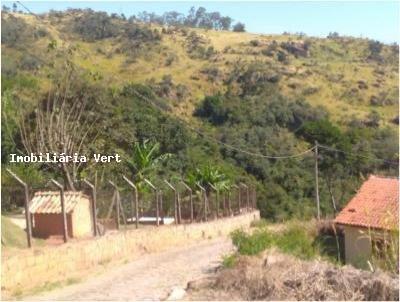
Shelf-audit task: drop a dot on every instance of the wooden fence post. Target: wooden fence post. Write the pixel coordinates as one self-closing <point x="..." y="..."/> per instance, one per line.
<point x="205" y="201"/>
<point x="156" y="199"/>
<point x="216" y="198"/>
<point x="136" y="196"/>
<point x="229" y="203"/>
<point x="247" y="195"/>
<point x="93" y="204"/>
<point x="238" y="197"/>
<point x="28" y="221"/>
<point x="64" y="215"/>
<point x="176" y="211"/>
<point x="191" y="200"/>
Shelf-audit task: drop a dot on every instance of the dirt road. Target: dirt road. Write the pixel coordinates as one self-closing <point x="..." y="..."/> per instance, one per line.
<point x="152" y="277"/>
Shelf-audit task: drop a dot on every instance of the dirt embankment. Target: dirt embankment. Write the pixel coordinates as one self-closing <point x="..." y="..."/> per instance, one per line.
<point x="274" y="276"/>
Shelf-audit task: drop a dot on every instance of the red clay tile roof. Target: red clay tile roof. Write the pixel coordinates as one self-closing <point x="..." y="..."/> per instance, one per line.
<point x="376" y="205"/>
<point x="50" y="202"/>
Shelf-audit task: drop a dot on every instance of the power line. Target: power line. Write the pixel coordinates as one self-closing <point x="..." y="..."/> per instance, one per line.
<point x="228" y="145"/>
<point x="259" y="154"/>
<point x="27" y="9"/>
<point x="358" y="155"/>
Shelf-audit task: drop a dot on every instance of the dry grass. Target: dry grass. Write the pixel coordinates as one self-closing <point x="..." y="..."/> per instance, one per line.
<point x="274" y="276"/>
<point x="327" y="58"/>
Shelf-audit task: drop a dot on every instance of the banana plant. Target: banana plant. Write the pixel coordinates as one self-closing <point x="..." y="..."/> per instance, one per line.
<point x="145" y="158"/>
<point x="209" y="175"/>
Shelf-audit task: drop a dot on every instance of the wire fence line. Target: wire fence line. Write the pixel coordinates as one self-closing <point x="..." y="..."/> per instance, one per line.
<point x="121" y="207"/>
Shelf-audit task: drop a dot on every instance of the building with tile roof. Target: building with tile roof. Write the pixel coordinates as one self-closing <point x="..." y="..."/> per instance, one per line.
<point x="369" y="216"/>
<point x="45" y="207"/>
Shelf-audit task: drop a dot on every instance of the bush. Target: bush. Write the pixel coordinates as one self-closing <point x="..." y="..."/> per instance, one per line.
<point x="261" y="223"/>
<point x="251" y="244"/>
<point x="15" y="32"/>
<point x="296" y="241"/>
<point x="255" y="43"/>
<point x="239" y="27"/>
<point x="229" y="261"/>
<point x="94" y="26"/>
<point x="211" y="108"/>
<point x="29" y="62"/>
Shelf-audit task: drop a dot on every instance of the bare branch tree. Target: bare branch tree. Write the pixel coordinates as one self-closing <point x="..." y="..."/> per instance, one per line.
<point x="60" y="124"/>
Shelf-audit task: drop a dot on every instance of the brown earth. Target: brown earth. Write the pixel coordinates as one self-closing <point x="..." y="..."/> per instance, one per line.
<point x="152" y="277"/>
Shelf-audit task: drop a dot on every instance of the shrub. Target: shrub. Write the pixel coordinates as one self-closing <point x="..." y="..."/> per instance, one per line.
<point x="229" y="261"/>
<point x="375" y="48"/>
<point x="251" y="244"/>
<point x="94" y="26"/>
<point x="261" y="223"/>
<point x="255" y="43"/>
<point x="282" y="57"/>
<point x="211" y="108"/>
<point x="29" y="62"/>
<point x="239" y="27"/>
<point x="213" y="73"/>
<point x="296" y="241"/>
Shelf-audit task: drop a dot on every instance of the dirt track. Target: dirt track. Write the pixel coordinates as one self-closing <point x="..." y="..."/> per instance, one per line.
<point x="150" y="278"/>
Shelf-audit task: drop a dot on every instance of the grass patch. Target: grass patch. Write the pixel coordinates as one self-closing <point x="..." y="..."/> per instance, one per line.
<point x="260" y="223"/>
<point x="11" y="234"/>
<point x="298" y="242"/>
<point x="229" y="261"/>
<point x="295" y="240"/>
<point x="252" y="244"/>
<point x="46" y="287"/>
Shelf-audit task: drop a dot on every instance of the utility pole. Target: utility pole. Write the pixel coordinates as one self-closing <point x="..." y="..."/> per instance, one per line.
<point x="316" y="179"/>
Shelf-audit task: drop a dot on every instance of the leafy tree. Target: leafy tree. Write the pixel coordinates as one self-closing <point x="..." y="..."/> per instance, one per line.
<point x="209" y="175"/>
<point x="94" y="26"/>
<point x="375" y="48"/>
<point x="211" y="108"/>
<point x="239" y="27"/>
<point x="225" y="23"/>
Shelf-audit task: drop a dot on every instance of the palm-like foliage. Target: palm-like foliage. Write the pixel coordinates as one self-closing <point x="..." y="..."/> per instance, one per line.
<point x="145" y="158"/>
<point x="209" y="175"/>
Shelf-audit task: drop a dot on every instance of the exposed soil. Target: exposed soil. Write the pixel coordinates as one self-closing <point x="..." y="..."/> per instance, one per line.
<point x="152" y="277"/>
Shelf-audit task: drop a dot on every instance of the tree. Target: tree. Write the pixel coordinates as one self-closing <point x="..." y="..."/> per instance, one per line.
<point x="239" y="27"/>
<point x="209" y="175"/>
<point x="375" y="48"/>
<point x="60" y="124"/>
<point x="211" y="108"/>
<point x="95" y="26"/>
<point x="145" y="158"/>
<point x="14" y="7"/>
<point x="226" y="23"/>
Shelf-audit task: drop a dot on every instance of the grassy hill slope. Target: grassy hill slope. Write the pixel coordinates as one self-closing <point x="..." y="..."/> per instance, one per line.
<point x="339" y="73"/>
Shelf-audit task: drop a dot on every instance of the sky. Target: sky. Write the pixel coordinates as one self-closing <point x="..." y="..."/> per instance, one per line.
<point x="374" y="20"/>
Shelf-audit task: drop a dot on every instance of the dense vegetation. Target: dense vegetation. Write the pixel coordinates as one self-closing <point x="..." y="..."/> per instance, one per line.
<point x="171" y="80"/>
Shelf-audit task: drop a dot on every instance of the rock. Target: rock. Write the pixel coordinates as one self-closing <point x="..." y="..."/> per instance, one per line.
<point x="177" y="293"/>
<point x="199" y="283"/>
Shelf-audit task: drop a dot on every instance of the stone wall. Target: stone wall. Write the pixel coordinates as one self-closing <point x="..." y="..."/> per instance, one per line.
<point x="32" y="268"/>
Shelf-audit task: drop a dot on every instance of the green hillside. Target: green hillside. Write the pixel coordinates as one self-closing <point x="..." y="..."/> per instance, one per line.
<point x="268" y="94"/>
<point x="340" y="73"/>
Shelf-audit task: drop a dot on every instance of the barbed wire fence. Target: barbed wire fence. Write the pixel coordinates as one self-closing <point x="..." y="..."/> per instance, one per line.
<point x="123" y="207"/>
